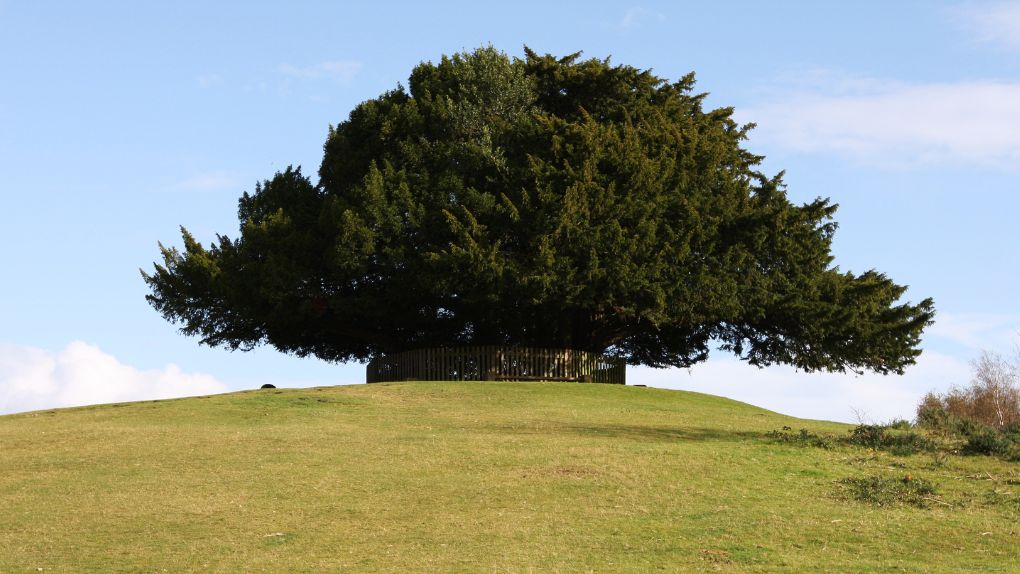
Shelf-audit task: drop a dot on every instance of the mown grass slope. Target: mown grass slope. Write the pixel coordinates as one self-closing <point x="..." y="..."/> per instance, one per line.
<point x="477" y="477"/>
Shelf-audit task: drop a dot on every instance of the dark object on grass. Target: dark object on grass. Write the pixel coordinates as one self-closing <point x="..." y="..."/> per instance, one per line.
<point x="268" y="386"/>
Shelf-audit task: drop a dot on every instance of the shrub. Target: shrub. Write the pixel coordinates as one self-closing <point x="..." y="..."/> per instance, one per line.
<point x="993" y="442"/>
<point x="899" y="424"/>
<point x="986" y="441"/>
<point x="992" y="399"/>
<point x="877" y="437"/>
<point x="899" y="443"/>
<point x="986" y="414"/>
<point x="890" y="491"/>
<point x="804" y="436"/>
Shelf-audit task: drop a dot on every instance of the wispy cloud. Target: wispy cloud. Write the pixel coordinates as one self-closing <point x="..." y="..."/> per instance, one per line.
<point x="82" y="374"/>
<point x="637" y="16"/>
<point x="209" y="80"/>
<point x="996" y="23"/>
<point x="204" y="183"/>
<point x="340" y="71"/>
<point x="978" y="331"/>
<point x="826" y="396"/>
<point x="895" y="124"/>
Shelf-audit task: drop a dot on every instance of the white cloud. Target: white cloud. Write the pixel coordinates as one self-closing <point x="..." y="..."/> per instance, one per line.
<point x="895" y="124"/>
<point x="204" y="183"/>
<point x="341" y="71"/>
<point x="637" y="16"/>
<point x="825" y="396"/>
<point x="996" y="23"/>
<point x="979" y="331"/>
<point x="82" y="374"/>
<point x="209" y="80"/>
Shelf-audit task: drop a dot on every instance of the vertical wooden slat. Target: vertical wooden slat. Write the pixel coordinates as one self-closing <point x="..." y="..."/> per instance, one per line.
<point x="496" y="362"/>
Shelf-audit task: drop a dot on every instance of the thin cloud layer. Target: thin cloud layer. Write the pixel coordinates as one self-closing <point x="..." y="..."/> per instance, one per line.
<point x="341" y="71"/>
<point x="827" y="396"/>
<point x="637" y="16"/>
<point x="978" y="331"/>
<point x="82" y="374"/>
<point x="896" y="125"/>
<point x="209" y="80"/>
<point x="992" y="23"/>
<point x="205" y="182"/>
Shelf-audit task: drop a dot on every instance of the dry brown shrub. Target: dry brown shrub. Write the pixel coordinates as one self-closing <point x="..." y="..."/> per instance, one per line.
<point x="993" y="397"/>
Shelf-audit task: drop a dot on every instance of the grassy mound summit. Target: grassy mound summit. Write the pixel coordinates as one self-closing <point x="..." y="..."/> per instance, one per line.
<point x="485" y="477"/>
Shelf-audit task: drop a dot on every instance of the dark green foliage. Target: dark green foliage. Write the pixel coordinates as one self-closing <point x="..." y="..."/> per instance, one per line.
<point x="803" y="437"/>
<point x="891" y="491"/>
<point x="977" y="438"/>
<point x="900" y="443"/>
<point x="878" y="437"/>
<point x="938" y="420"/>
<point x="541" y="202"/>
<point x="899" y="424"/>
<point x="985" y="415"/>
<point x="991" y="441"/>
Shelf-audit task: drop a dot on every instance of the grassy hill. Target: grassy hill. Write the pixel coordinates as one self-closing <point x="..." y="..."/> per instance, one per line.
<point x="481" y="477"/>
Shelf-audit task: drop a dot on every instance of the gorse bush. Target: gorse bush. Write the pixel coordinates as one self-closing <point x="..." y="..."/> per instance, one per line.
<point x="804" y="436"/>
<point x="900" y="443"/>
<point x="879" y="437"/>
<point x="977" y="438"/>
<point x="933" y="416"/>
<point x="891" y="491"/>
<point x="994" y="442"/>
<point x="899" y="424"/>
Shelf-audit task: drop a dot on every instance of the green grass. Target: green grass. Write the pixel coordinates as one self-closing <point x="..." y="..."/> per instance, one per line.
<point x="483" y="477"/>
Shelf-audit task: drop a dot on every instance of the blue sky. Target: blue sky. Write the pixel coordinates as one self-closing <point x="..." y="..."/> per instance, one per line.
<point x="120" y="121"/>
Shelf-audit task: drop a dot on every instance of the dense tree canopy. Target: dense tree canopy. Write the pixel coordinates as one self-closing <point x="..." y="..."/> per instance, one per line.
<point x="543" y="201"/>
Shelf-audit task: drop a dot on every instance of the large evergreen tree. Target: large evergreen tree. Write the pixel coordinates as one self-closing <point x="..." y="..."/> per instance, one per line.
<point x="543" y="202"/>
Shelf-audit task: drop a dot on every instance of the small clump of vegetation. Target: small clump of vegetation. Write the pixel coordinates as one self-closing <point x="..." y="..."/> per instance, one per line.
<point x="803" y="436"/>
<point x="888" y="438"/>
<point x="892" y="491"/>
<point x="990" y="441"/>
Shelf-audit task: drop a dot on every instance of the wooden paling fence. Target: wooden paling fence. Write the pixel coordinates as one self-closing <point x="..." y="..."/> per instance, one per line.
<point x="493" y="363"/>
